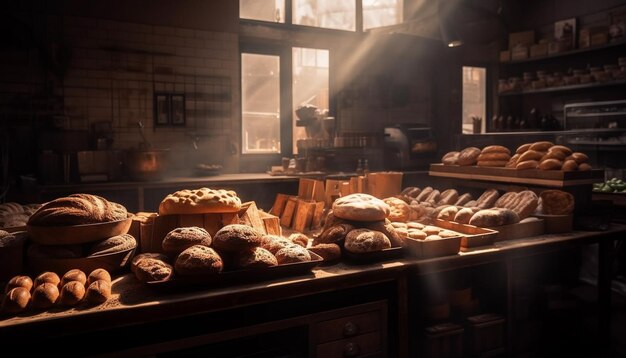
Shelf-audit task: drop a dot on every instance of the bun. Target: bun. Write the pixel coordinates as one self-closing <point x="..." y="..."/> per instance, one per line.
<point x="45" y="296"/>
<point x="411" y="191"/>
<point x="292" y="254"/>
<point x="98" y="274"/>
<point x="542" y="146"/>
<point x="72" y="293"/>
<point x="74" y="275"/>
<point x="98" y="292"/>
<point x="416" y="234"/>
<point x="557" y="154"/>
<point x="273" y="243"/>
<point x="147" y="255"/>
<point x="16" y="300"/>
<point x="523" y="148"/>
<point x="450" y="158"/>
<point x="200" y="201"/>
<point x="399" y="210"/>
<point x="179" y="239"/>
<point x="299" y="239"/>
<point x="77" y="209"/>
<point x="494" y="217"/>
<point x="153" y="269"/>
<point x="364" y="240"/>
<point x="468" y="156"/>
<point x="448" y="213"/>
<point x="494" y="156"/>
<point x="550" y="164"/>
<point x="433" y="198"/>
<point x="557" y="202"/>
<point x="49" y="277"/>
<point x="328" y="252"/>
<point x="257" y="257"/>
<point x="360" y="207"/>
<point x="113" y="244"/>
<point x="513" y="161"/>
<point x="570" y="165"/>
<point x="579" y="157"/>
<point x="584" y="167"/>
<point x="496" y="149"/>
<point x="19" y="281"/>
<point x="198" y="260"/>
<point x="561" y="148"/>
<point x="530" y="155"/>
<point x="527" y="164"/>
<point x="236" y="237"/>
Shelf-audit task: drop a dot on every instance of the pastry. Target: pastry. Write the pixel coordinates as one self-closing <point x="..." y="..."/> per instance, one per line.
<point x="199" y="260"/>
<point x="236" y="237"/>
<point x="416" y="234"/>
<point x="113" y="244"/>
<point x="45" y="296"/>
<point x="77" y="209"/>
<point x="360" y="207"/>
<point x="200" y="201"/>
<point x="179" y="239"/>
<point x="364" y="240"/>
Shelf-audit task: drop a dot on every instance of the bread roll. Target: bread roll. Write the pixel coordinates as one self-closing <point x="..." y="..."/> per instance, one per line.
<point x="364" y="240"/>
<point x="557" y="154"/>
<point x="494" y="156"/>
<point x="496" y="149"/>
<point x="446" y="234"/>
<point x="360" y="207"/>
<point x="513" y="161"/>
<point x="463" y="199"/>
<point x="236" y="237"/>
<point x="448" y="213"/>
<point x="557" y="202"/>
<point x="179" y="239"/>
<point x="199" y="260"/>
<point x="72" y="293"/>
<point x="570" y="165"/>
<point x="328" y="252"/>
<point x="527" y="164"/>
<point x="494" y="217"/>
<point x="15" y="301"/>
<point x="398" y="209"/>
<point x="530" y="155"/>
<point x="448" y="197"/>
<point x="487" y="199"/>
<point x="432" y="237"/>
<point x="541" y="146"/>
<point x="578" y="157"/>
<point x="45" y="296"/>
<point x="561" y="148"/>
<point x="431" y="230"/>
<point x="550" y="164"/>
<point x="415" y="225"/>
<point x="113" y="245"/>
<point x="584" y="167"/>
<point x="464" y="215"/>
<point x="151" y="269"/>
<point x="299" y="239"/>
<point x="450" y="158"/>
<point x="525" y="204"/>
<point x="468" y="156"/>
<point x="77" y="209"/>
<point x="74" y="275"/>
<point x="146" y="255"/>
<point x="411" y="191"/>
<point x="50" y="277"/>
<point x="98" y="292"/>
<point x="98" y="274"/>
<point x="416" y="234"/>
<point x="19" y="281"/>
<point x="388" y="229"/>
<point x="335" y="234"/>
<point x="257" y="257"/>
<point x="273" y="243"/>
<point x="523" y="148"/>
<point x="200" y="201"/>
<point x="424" y="194"/>
<point x="292" y="254"/>
<point x="434" y="196"/>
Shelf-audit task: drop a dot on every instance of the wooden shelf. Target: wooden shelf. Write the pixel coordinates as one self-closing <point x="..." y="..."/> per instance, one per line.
<point x="568" y="53"/>
<point x="565" y="88"/>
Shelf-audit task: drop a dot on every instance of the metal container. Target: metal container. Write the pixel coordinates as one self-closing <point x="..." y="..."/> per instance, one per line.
<point x="146" y="165"/>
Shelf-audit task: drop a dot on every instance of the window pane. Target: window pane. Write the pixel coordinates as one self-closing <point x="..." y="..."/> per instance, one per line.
<point x="331" y="14"/>
<point x="377" y="13"/>
<point x="310" y="86"/>
<point x="474" y="101"/>
<point x="264" y="10"/>
<point x="260" y="103"/>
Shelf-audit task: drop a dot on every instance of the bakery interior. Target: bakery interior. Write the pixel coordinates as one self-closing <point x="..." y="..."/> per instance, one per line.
<point x="353" y="178"/>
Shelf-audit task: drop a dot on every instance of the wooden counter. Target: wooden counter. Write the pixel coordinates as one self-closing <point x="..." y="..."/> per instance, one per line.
<point x="135" y="305"/>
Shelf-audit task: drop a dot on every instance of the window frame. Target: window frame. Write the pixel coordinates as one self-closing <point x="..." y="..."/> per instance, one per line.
<point x="489" y="97"/>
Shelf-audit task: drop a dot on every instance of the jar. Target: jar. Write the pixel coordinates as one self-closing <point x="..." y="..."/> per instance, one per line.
<point x="571" y="80"/>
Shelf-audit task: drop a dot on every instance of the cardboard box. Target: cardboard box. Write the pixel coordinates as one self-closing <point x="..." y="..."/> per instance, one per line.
<point x="585" y="36"/>
<point x="519" y="53"/>
<point x="599" y="39"/>
<point x="524" y="38"/>
<point x="505" y="56"/>
<point x="539" y="50"/>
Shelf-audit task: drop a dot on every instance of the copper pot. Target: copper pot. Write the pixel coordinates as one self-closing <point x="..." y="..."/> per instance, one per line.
<point x="149" y="164"/>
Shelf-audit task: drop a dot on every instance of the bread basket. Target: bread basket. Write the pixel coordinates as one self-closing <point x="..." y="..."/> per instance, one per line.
<point x="77" y="234"/>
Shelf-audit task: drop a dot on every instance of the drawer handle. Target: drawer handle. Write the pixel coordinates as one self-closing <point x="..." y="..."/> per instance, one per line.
<point x="351" y="349"/>
<point x="350" y="329"/>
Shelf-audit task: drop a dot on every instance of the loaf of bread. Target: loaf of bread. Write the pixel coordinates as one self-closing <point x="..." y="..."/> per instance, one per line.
<point x="113" y="244"/>
<point x="495" y="149"/>
<point x="364" y="240"/>
<point x="523" y="148"/>
<point x="179" y="239"/>
<point x="523" y="203"/>
<point x="487" y="199"/>
<point x="200" y="201"/>
<point x="15" y="301"/>
<point x="550" y="164"/>
<point x="292" y="254"/>
<point x="569" y="165"/>
<point x="146" y="255"/>
<point x="527" y="164"/>
<point x="256" y="257"/>
<point x="334" y="234"/>
<point x="450" y="158"/>
<point x="494" y="217"/>
<point x="19" y="281"/>
<point x="360" y="207"/>
<point x="386" y="228"/>
<point x="236" y="237"/>
<point x="150" y="269"/>
<point x="98" y="292"/>
<point x="448" y="213"/>
<point x="411" y="191"/>
<point x="464" y="215"/>
<point x="45" y="296"/>
<point x="77" y="209"/>
<point x="541" y="146"/>
<point x="557" y="202"/>
<point x="463" y="199"/>
<point x="494" y="156"/>
<point x="448" y="197"/>
<point x="468" y="156"/>
<point x="198" y="260"/>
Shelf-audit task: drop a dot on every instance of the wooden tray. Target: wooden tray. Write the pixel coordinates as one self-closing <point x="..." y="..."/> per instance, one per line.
<point x="111" y="262"/>
<point x="557" y="224"/>
<point x="528" y="227"/>
<point x="372" y="257"/>
<point x="553" y="178"/>
<point x="77" y="234"/>
<point x="471" y="236"/>
<point x="424" y="249"/>
<point x="228" y="278"/>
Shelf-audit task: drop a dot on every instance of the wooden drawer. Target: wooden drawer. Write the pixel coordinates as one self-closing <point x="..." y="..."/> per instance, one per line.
<point x="365" y="345"/>
<point x="349" y="326"/>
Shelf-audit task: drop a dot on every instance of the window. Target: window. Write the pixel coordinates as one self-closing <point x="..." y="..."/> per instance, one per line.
<point x="169" y="109"/>
<point x="330" y="14"/>
<point x="260" y="103"/>
<point x="263" y="10"/>
<point x="377" y="13"/>
<point x="474" y="99"/>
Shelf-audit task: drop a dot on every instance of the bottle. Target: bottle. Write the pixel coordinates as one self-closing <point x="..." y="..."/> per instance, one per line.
<point x="359" y="167"/>
<point x="366" y="167"/>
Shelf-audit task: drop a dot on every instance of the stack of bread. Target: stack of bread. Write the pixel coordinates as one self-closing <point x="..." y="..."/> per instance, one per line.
<point x="48" y="290"/>
<point x="16" y="215"/>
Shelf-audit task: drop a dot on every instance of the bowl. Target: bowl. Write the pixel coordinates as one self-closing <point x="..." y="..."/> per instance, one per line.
<point x="145" y="165"/>
<point x="113" y="262"/>
<point x="77" y="234"/>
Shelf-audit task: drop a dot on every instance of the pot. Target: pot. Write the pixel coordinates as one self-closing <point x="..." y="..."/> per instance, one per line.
<point x="149" y="164"/>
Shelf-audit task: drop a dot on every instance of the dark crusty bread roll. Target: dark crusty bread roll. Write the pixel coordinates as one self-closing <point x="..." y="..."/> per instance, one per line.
<point x="468" y="156"/>
<point x="299" y="239"/>
<point x="328" y="252"/>
<point x="54" y="251"/>
<point x="113" y="244"/>
<point x="19" y="281"/>
<point x="256" y="257"/>
<point x="388" y="229"/>
<point x="98" y="292"/>
<point x="464" y="215"/>
<point x="77" y="209"/>
<point x="74" y="275"/>
<point x="411" y="191"/>
<point x="50" y="277"/>
<point x="98" y="274"/>
<point x="364" y="240"/>
<point x="236" y="237"/>
<point x="334" y="234"/>
<point x="292" y="254"/>
<point x="15" y="301"/>
<point x="146" y="255"/>
<point x="179" y="239"/>
<point x="494" y="217"/>
<point x="273" y="243"/>
<point x="72" y="293"/>
<point x="198" y="260"/>
<point x="150" y="269"/>
<point x="45" y="296"/>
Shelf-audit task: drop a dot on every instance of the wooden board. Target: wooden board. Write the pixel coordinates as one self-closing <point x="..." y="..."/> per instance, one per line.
<point x="551" y="178"/>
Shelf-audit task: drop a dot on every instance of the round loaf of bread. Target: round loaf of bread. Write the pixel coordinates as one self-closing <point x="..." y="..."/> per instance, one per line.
<point x="388" y="229"/>
<point x="77" y="209"/>
<point x="450" y="158"/>
<point x="113" y="244"/>
<point x="179" y="239"/>
<point x="15" y="301"/>
<point x="363" y="240"/>
<point x="74" y="275"/>
<point x="47" y="277"/>
<point x="299" y="239"/>
<point x="198" y="260"/>
<point x="45" y="296"/>
<point x="328" y="252"/>
<point x="256" y="257"/>
<point x="98" y="274"/>
<point x="54" y="251"/>
<point x="292" y="254"/>
<point x="399" y="210"/>
<point x="334" y="234"/>
<point x="150" y="269"/>
<point x="360" y="207"/>
<point x="72" y="293"/>
<point x="19" y="281"/>
<point x="236" y="237"/>
<point x="468" y="156"/>
<point x="200" y="201"/>
<point x="98" y="292"/>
